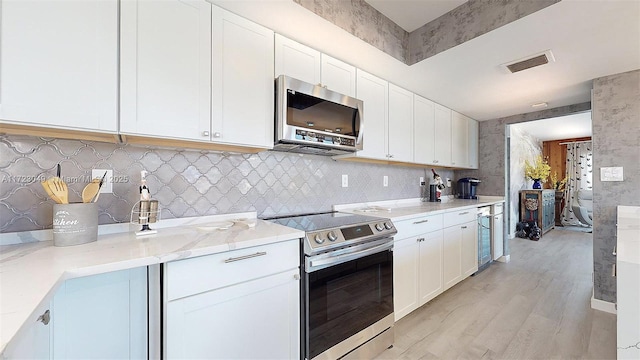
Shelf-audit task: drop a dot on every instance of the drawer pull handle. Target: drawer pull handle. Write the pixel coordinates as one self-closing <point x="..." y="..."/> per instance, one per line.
<point x="420" y="239"/>
<point x="420" y="222"/>
<point x="44" y="318"/>
<point x="261" y="253"/>
<point x="464" y="227"/>
<point x="463" y="213"/>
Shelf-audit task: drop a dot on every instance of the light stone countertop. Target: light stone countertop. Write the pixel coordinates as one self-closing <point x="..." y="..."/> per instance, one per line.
<point x="30" y="273"/>
<point x="398" y="210"/>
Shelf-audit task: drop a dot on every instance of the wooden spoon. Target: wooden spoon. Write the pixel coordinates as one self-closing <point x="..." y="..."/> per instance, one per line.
<point x="91" y="190"/>
<point x="45" y="185"/>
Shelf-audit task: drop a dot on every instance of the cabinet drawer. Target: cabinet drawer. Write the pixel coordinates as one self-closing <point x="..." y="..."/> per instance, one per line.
<point x="498" y="208"/>
<point x="205" y="273"/>
<point x="419" y="225"/>
<point x="459" y="217"/>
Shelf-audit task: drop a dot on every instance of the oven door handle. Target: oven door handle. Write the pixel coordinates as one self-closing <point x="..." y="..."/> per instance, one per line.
<point x="318" y="264"/>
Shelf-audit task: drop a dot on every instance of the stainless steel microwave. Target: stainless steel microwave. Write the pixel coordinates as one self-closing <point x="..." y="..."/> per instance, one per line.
<point x="315" y="120"/>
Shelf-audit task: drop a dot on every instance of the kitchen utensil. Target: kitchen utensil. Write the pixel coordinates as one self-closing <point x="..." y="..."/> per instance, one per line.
<point x="100" y="187"/>
<point x="59" y="189"/>
<point x="91" y="190"/>
<point x="46" y="187"/>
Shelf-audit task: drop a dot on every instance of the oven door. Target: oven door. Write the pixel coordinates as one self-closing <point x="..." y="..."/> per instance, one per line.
<point x="353" y="294"/>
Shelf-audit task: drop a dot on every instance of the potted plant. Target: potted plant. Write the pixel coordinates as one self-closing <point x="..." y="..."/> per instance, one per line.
<point x="537" y="172"/>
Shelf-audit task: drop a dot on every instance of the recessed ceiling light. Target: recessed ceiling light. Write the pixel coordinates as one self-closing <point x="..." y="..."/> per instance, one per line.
<point x="540" y="105"/>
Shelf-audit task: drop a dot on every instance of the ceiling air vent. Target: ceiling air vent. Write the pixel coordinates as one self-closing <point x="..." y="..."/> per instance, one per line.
<point x="529" y="62"/>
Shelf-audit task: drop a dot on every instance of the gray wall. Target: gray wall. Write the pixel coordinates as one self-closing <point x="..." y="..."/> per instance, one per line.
<point x="616" y="142"/>
<point x="188" y="183"/>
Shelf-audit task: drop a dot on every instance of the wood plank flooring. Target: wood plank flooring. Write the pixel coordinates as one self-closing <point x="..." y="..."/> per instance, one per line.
<point x="537" y="306"/>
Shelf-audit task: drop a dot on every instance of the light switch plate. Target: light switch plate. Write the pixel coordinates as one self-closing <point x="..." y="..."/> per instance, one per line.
<point x="385" y="180"/>
<point x="612" y="174"/>
<point x="345" y="180"/>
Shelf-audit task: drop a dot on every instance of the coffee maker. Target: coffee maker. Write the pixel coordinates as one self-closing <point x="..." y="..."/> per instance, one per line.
<point x="467" y="188"/>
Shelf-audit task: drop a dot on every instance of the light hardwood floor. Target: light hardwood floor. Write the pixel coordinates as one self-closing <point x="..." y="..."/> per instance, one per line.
<point x="537" y="306"/>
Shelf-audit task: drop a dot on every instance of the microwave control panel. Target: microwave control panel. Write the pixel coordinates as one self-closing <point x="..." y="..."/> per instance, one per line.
<point x="322" y="138"/>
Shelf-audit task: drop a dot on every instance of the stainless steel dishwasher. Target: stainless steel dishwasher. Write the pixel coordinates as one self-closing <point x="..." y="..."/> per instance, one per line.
<point x="485" y="222"/>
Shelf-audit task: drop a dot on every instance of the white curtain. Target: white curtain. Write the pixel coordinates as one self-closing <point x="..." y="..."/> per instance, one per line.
<point x="579" y="176"/>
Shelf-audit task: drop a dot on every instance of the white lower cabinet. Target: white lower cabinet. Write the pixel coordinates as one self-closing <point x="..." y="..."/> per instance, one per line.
<point x="244" y="304"/>
<point x="34" y="339"/>
<point x="101" y="316"/>
<point x="452" y="257"/>
<point x="258" y="319"/>
<point x="417" y="264"/>
<point x="431" y="254"/>
<point x="460" y="251"/>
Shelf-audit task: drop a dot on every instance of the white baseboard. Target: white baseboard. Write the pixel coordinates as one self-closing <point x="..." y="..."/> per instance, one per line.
<point x="504" y="258"/>
<point x="603" y="305"/>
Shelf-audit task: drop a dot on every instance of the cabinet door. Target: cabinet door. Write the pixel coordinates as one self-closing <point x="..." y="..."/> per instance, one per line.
<point x="59" y="63"/>
<point x="400" y="124"/>
<point x="374" y="92"/>
<point x="243" y="96"/>
<point x="33" y="341"/>
<point x="473" y="136"/>
<point x="424" y="130"/>
<point x="258" y="319"/>
<point x="165" y="61"/>
<point x="442" y="143"/>
<point x="451" y="256"/>
<point x="459" y="140"/>
<point x="338" y="76"/>
<point x="469" y="238"/>
<point x="102" y="316"/>
<point x="296" y="60"/>
<point x="406" y="254"/>
<point x="430" y="274"/>
<point x="497" y="234"/>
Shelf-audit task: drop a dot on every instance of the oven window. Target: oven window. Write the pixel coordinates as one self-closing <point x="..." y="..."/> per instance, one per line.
<point x="347" y="298"/>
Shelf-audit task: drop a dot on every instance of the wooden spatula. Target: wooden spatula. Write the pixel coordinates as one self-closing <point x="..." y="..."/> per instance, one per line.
<point x="91" y="190"/>
<point x="59" y="189"/>
<point x="45" y="185"/>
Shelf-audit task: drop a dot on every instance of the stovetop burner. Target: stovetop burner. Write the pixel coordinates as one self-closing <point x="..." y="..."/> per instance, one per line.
<point x="334" y="230"/>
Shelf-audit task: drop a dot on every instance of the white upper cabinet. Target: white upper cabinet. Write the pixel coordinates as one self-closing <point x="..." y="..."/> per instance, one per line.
<point x="442" y="141"/>
<point x="473" y="135"/>
<point x="304" y="63"/>
<point x="296" y="60"/>
<point x="165" y="78"/>
<point x="400" y="124"/>
<point x="459" y="140"/>
<point x="242" y="81"/>
<point x="424" y="130"/>
<point x="374" y="92"/>
<point x="193" y="71"/>
<point x="59" y="62"/>
<point x="338" y="76"/>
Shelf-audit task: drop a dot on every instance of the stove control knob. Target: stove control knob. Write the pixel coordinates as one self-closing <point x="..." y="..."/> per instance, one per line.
<point x="379" y="227"/>
<point x="332" y="236"/>
<point x="387" y="225"/>
<point x="318" y="239"/>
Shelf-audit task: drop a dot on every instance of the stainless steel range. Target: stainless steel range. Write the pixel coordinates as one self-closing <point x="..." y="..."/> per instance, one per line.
<point x="347" y="289"/>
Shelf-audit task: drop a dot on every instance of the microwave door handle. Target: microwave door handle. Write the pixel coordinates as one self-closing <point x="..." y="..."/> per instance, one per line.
<point x="326" y="262"/>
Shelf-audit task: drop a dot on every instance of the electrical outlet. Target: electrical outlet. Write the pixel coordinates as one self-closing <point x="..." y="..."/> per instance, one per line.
<point x="107" y="186"/>
<point x="385" y="180"/>
<point x="345" y="180"/>
<point x="448" y="182"/>
<point x="422" y="183"/>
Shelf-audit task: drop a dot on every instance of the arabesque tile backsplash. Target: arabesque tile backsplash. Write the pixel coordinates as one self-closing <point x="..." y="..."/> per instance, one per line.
<point x="187" y="182"/>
